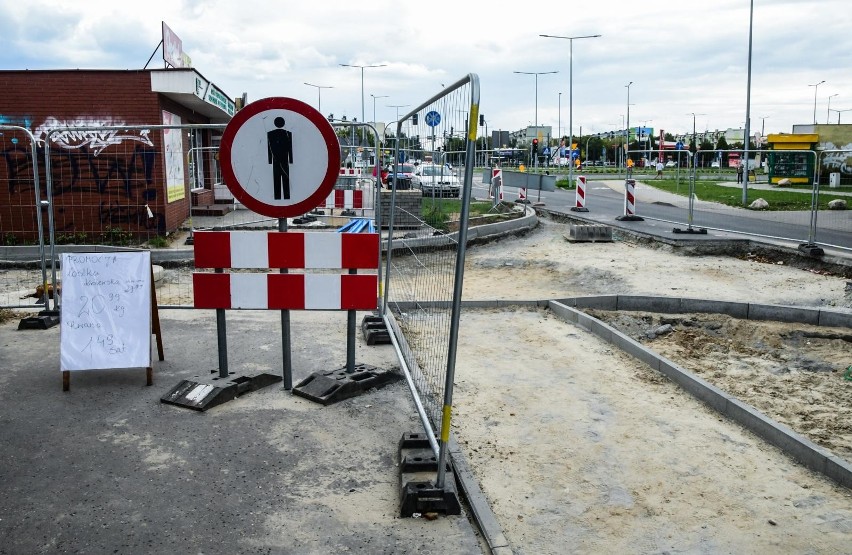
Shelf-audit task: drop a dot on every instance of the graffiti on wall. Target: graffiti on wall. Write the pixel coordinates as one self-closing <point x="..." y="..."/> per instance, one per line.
<point x="838" y="161"/>
<point x="89" y="133"/>
<point x="99" y="177"/>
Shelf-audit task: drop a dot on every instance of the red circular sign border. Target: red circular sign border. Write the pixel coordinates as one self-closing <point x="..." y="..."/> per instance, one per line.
<point x="322" y="125"/>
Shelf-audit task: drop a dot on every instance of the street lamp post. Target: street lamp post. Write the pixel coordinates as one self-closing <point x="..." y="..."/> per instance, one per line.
<point x="816" y="87"/>
<point x="559" y="118"/>
<point x="319" y="94"/>
<point x="748" y="103"/>
<point x="362" y="82"/>
<point x="627" y="132"/>
<point x="571" y="97"/>
<point x="398" y="106"/>
<point x="838" y="113"/>
<point x="828" y="110"/>
<point x="374" y="104"/>
<point x="763" y="125"/>
<point x="694" y="138"/>
<point x="536" y="73"/>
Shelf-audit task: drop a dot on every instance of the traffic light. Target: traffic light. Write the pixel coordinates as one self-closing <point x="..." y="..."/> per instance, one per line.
<point x="535" y="146"/>
<point x="481" y="120"/>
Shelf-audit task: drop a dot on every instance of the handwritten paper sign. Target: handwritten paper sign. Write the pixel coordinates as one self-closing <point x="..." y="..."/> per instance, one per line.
<point x="105" y="313"/>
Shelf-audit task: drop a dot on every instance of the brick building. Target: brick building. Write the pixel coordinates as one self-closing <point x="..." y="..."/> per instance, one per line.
<point x="132" y="180"/>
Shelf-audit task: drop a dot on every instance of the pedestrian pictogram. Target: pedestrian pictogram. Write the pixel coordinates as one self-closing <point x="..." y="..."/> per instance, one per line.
<point x="280" y="157"/>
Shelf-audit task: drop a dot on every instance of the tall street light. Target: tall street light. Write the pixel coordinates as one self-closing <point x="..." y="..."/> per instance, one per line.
<point x="398" y="106"/>
<point x="319" y="94"/>
<point x="748" y="102"/>
<point x="816" y="87"/>
<point x="763" y="125"/>
<point x="362" y="82"/>
<point x="571" y="97"/>
<point x="536" y="73"/>
<point x="828" y="110"/>
<point x="559" y="118"/>
<point x="627" y="129"/>
<point x="839" y="112"/>
<point x="694" y="137"/>
<point x="374" y="104"/>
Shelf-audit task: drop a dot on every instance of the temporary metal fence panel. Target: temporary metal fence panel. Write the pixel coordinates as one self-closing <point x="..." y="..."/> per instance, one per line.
<point x="425" y="262"/>
<point x="23" y="273"/>
<point x="815" y="224"/>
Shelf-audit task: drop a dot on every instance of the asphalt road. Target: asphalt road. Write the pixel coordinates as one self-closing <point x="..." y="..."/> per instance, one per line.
<point x="605" y="201"/>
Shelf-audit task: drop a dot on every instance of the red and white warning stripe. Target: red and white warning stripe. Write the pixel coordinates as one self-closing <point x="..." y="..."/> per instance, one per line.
<point x="275" y="249"/>
<point x="522" y="193"/>
<point x="630" y="197"/>
<point x="261" y="249"/>
<point x="496" y="183"/>
<point x="286" y="291"/>
<point x="351" y="171"/>
<point x="580" y="195"/>
<point x="345" y="198"/>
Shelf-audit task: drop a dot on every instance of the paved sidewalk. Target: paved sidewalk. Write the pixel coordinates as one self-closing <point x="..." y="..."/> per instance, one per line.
<point x="108" y="468"/>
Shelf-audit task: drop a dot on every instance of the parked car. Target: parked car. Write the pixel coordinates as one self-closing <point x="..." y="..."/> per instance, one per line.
<point x="671" y="164"/>
<point x="715" y="164"/>
<point x="438" y="181"/>
<point x="402" y="175"/>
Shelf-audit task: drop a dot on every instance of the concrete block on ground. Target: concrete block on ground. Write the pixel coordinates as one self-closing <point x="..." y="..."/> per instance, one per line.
<point x="601" y="302"/>
<point x="584" y="233"/>
<point x="736" y="310"/>
<point x="636" y="350"/>
<point x="649" y="303"/>
<point x="839" y="470"/>
<point x="563" y="311"/>
<point x="783" y="313"/>
<point x="695" y="386"/>
<point x="835" y="319"/>
<point x="801" y="449"/>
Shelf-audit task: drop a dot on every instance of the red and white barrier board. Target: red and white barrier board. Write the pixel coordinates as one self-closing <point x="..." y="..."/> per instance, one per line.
<point x="286" y="291"/>
<point x="345" y="198"/>
<point x="291" y="250"/>
<point x="274" y="249"/>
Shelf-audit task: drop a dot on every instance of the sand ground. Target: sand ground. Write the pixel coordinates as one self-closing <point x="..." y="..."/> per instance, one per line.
<point x="582" y="449"/>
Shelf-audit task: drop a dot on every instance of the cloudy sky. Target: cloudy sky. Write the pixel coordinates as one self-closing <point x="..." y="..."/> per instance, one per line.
<point x="682" y="57"/>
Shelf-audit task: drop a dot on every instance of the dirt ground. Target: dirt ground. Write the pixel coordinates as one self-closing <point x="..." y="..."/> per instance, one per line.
<point x="582" y="449"/>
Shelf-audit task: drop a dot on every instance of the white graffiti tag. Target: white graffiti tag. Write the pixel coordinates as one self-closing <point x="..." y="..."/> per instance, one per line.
<point x="95" y="136"/>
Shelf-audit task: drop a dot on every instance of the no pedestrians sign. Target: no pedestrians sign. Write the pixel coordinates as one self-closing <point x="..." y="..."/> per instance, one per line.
<point x="280" y="157"/>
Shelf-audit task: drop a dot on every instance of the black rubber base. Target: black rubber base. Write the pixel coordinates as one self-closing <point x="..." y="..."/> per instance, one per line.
<point x="374" y="330"/>
<point x="46" y="319"/>
<point x="418" y="469"/>
<point x="700" y="231"/>
<point x="630" y="218"/>
<point x="811" y="250"/>
<point x="579" y="209"/>
<point x="330" y="387"/>
<point x="205" y="392"/>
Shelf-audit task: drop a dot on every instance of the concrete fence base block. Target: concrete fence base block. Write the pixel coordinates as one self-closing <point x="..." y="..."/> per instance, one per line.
<point x="589" y="233"/>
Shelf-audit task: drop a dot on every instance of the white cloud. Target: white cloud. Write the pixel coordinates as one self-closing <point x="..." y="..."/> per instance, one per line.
<point x="682" y="57"/>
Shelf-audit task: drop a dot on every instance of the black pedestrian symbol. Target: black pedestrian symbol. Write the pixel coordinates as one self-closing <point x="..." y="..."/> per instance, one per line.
<point x="280" y="155"/>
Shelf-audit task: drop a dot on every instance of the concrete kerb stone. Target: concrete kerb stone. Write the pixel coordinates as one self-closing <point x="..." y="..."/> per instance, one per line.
<point x="736" y="310"/>
<point x="835" y="319"/>
<point x="801" y="449"/>
<point x="649" y="303"/>
<point x="784" y="313"/>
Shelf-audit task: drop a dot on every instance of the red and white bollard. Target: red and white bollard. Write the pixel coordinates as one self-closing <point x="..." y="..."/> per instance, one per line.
<point x="580" y="195"/>
<point x="522" y="195"/>
<point x="630" y="203"/>
<point x="496" y="184"/>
